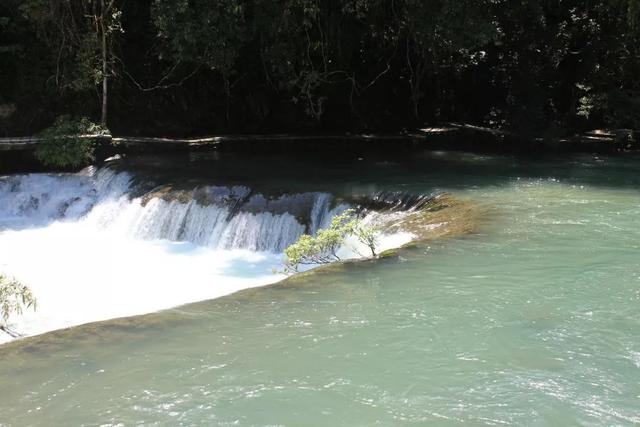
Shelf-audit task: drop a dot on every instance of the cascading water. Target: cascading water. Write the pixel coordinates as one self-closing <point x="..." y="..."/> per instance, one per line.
<point x="101" y="244"/>
<point x="214" y="217"/>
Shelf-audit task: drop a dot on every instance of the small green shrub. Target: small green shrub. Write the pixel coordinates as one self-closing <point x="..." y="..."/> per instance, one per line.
<point x="322" y="248"/>
<point x="14" y="298"/>
<point x="367" y="235"/>
<point x="63" y="146"/>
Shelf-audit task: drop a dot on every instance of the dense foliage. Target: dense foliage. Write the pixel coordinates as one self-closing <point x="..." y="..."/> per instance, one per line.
<point x="68" y="143"/>
<point x="198" y="66"/>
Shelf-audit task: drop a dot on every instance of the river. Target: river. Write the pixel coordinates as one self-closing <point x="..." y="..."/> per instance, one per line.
<point x="532" y="319"/>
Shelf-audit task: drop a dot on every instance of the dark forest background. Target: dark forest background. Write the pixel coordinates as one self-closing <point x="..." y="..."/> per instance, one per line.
<point x="192" y="67"/>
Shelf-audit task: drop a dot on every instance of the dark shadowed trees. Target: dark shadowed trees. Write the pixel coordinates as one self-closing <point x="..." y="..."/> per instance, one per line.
<point x="198" y="66"/>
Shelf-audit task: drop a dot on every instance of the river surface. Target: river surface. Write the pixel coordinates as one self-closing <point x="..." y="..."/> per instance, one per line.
<point x="534" y="319"/>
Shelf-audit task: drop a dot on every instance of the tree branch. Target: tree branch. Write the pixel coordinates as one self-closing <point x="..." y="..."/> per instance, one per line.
<point x="159" y="85"/>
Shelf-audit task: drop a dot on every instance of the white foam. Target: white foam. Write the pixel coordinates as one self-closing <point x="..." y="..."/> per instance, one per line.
<point x="89" y="251"/>
<point x="79" y="274"/>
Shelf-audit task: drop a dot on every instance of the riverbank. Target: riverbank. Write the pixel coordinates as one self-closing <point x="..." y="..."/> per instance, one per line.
<point x="16" y="153"/>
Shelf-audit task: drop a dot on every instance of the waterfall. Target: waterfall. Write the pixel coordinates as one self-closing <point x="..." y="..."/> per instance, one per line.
<point x="210" y="216"/>
<point x="104" y="243"/>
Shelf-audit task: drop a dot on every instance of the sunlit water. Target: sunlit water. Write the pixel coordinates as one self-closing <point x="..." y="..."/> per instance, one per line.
<point x="532" y="320"/>
<point x="103" y="243"/>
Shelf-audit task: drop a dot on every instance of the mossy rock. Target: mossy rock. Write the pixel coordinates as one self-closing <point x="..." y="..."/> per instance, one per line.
<point x="443" y="217"/>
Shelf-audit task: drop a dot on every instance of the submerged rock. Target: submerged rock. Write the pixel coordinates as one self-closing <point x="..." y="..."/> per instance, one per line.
<point x="441" y="216"/>
<point x="426" y="218"/>
<point x="396" y="201"/>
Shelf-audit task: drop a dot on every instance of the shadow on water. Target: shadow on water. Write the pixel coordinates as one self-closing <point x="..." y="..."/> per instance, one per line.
<point x="369" y="171"/>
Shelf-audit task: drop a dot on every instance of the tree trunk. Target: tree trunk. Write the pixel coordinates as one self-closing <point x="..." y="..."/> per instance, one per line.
<point x="414" y="83"/>
<point x="103" y="116"/>
<point x="227" y="93"/>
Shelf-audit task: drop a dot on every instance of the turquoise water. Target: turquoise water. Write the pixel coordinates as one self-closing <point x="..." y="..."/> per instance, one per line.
<point x="532" y="320"/>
